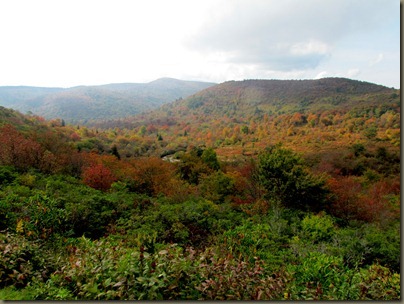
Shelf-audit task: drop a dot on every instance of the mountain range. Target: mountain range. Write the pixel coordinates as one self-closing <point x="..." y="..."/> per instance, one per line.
<point x="168" y="101"/>
<point x="84" y="104"/>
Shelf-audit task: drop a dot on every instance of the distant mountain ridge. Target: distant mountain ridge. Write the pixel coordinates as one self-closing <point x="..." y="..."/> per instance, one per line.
<point x="284" y="95"/>
<point x="250" y="97"/>
<point x="82" y="104"/>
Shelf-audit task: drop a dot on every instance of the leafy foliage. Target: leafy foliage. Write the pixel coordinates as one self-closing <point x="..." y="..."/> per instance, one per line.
<point x="287" y="180"/>
<point x="98" y="177"/>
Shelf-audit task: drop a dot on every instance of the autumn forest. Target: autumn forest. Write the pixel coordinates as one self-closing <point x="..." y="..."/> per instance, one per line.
<point x="245" y="190"/>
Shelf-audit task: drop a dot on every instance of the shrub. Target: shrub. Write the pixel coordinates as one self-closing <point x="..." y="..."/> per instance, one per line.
<point x="188" y="223"/>
<point x="104" y="270"/>
<point x="21" y="260"/>
<point x="261" y="240"/>
<point x="42" y="218"/>
<point x="217" y="186"/>
<point x="226" y="278"/>
<point x="320" y="277"/>
<point x="379" y="283"/>
<point x="11" y="293"/>
<point x="350" y="244"/>
<point x="385" y="245"/>
<point x="318" y="228"/>
<point x="98" y="177"/>
<point x="287" y="180"/>
<point x="7" y="175"/>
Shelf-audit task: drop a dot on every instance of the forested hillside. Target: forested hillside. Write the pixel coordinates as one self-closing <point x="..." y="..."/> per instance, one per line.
<point x="84" y="104"/>
<point x="251" y="190"/>
<point x="243" y="117"/>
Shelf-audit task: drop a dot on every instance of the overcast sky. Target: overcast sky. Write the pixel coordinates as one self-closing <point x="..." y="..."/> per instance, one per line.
<point x="86" y="42"/>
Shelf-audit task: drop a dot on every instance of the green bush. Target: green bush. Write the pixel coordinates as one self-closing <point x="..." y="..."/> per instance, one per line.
<point x="101" y="270"/>
<point x="11" y="293"/>
<point x="287" y="179"/>
<point x="384" y="244"/>
<point x="350" y="244"/>
<point x="227" y="278"/>
<point x="7" y="175"/>
<point x="106" y="270"/>
<point x="320" y="277"/>
<point x="217" y="186"/>
<point x="318" y="228"/>
<point x="32" y="213"/>
<point x="42" y="218"/>
<point x="188" y="223"/>
<point x="251" y="240"/>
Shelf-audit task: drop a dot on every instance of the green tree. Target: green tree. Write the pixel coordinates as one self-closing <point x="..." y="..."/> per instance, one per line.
<point x="287" y="179"/>
<point x="244" y="129"/>
<point x="114" y="151"/>
<point x="192" y="167"/>
<point x="209" y="157"/>
<point x="217" y="186"/>
<point x="358" y="149"/>
<point x="371" y="132"/>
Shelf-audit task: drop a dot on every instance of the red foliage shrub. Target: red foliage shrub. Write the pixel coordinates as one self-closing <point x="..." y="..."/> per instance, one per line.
<point x="345" y="193"/>
<point x="98" y="177"/>
<point x="375" y="203"/>
<point x="18" y="151"/>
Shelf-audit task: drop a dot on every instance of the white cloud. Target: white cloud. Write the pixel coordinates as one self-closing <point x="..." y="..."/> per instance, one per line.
<point x="309" y="48"/>
<point x="376" y="60"/>
<point x="72" y="42"/>
<point x="321" y="75"/>
<point x="351" y="73"/>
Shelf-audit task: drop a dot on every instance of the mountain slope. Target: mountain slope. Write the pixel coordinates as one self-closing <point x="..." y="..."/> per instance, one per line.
<point x="88" y="103"/>
<point x="241" y="98"/>
<point x="255" y="98"/>
<point x="243" y="117"/>
<point x="240" y="117"/>
<point x="15" y="118"/>
<point x="17" y="96"/>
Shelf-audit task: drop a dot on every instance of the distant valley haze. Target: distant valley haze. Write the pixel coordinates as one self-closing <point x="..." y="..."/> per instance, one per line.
<point x="82" y="104"/>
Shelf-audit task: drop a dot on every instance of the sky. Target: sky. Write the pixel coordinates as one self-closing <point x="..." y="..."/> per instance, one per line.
<point x="66" y="43"/>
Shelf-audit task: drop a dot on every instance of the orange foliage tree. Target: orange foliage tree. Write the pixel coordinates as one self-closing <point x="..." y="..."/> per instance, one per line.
<point x="153" y="176"/>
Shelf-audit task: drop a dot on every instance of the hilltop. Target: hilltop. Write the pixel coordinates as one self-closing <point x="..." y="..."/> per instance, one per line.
<point x="241" y="98"/>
